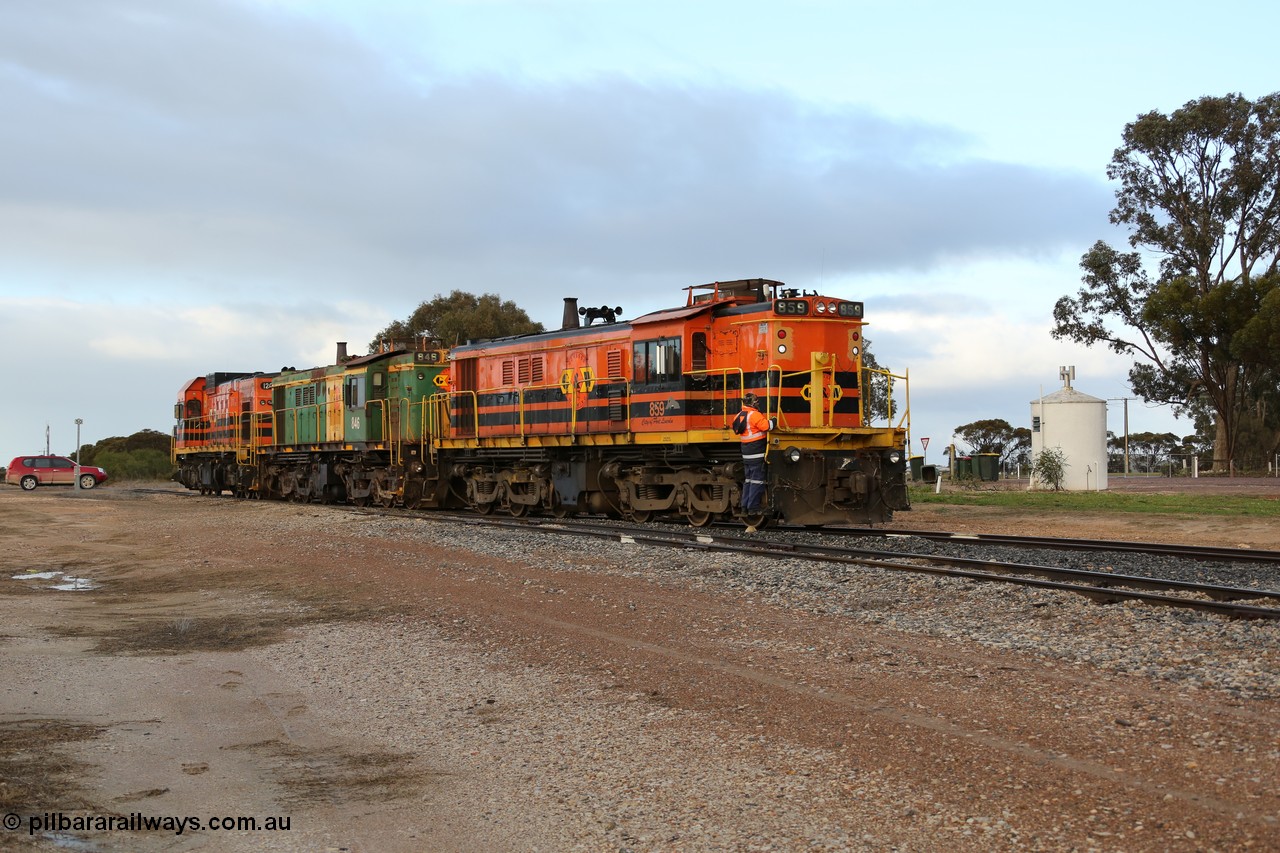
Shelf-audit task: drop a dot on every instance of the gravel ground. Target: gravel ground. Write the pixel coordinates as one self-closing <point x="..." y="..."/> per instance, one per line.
<point x="574" y="694"/>
<point x="1126" y="638"/>
<point x="587" y="797"/>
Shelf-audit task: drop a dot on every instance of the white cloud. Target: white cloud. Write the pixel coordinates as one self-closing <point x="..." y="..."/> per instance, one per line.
<point x="236" y="185"/>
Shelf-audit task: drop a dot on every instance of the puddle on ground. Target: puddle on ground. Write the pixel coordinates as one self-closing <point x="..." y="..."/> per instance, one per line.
<point x="66" y="582"/>
<point x="70" y="842"/>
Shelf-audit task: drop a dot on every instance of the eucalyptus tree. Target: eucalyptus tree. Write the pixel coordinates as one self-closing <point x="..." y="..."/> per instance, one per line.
<point x="459" y="317"/>
<point x="1198" y="191"/>
<point x="996" y="435"/>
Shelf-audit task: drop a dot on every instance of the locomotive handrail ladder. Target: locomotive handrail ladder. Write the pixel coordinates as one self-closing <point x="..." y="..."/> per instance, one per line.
<point x="906" y="409"/>
<point x="725" y="373"/>
<point x="383" y="406"/>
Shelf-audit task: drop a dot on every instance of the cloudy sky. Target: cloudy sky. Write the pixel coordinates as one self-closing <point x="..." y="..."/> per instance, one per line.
<point x="237" y="184"/>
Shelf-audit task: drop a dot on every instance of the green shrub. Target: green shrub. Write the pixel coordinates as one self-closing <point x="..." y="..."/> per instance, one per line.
<point x="1050" y="468"/>
<point x="134" y="465"/>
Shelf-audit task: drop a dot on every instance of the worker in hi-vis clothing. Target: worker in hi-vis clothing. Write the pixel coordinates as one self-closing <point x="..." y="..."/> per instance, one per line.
<point x="752" y="428"/>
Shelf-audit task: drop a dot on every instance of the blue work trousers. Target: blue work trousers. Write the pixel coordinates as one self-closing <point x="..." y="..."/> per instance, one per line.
<point x="753" y="485"/>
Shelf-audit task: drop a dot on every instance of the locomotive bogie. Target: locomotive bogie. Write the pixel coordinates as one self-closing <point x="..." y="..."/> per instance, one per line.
<point x="698" y="494"/>
<point x="816" y="487"/>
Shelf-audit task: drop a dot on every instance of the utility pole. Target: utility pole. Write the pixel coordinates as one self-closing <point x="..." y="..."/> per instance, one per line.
<point x="79" y="421"/>
<point x="1126" y="437"/>
<point x="1126" y="432"/>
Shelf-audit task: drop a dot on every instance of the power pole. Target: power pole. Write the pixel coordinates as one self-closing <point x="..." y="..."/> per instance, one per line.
<point x="1126" y="437"/>
<point x="1126" y="431"/>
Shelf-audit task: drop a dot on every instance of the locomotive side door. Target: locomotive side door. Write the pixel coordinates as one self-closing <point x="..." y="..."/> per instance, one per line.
<point x="354" y="400"/>
<point x="335" y="414"/>
<point x="379" y="413"/>
<point x="463" y="397"/>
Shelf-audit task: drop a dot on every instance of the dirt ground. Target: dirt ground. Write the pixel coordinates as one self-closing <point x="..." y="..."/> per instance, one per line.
<point x="383" y="692"/>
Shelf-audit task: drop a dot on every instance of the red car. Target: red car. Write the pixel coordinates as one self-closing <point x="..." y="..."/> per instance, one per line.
<point x="32" y="471"/>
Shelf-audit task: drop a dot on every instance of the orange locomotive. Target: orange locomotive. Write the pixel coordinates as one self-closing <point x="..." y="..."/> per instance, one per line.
<point x="223" y="423"/>
<point x="633" y="418"/>
<point x="629" y="419"/>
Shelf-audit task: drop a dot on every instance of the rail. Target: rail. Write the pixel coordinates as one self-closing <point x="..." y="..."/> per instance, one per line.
<point x="820" y="416"/>
<point x="437" y="414"/>
<point x="889" y="377"/>
<point x="1192" y="552"/>
<point x="242" y="435"/>
<point x="725" y="373"/>
<point x="394" y="444"/>
<point x="1101" y="587"/>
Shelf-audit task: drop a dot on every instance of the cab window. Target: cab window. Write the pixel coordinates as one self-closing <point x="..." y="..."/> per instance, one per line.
<point x="655" y="361"/>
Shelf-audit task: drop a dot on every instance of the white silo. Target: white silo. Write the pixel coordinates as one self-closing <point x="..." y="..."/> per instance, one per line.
<point x="1076" y="424"/>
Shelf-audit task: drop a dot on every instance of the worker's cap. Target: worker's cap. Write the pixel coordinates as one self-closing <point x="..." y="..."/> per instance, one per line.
<point x="750" y="399"/>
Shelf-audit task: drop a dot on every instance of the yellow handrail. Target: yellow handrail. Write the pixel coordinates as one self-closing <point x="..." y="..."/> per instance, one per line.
<point x="905" y="421"/>
<point x="724" y="391"/>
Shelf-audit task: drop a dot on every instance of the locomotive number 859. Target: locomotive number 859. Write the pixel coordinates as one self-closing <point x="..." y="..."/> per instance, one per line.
<point x="628" y="419"/>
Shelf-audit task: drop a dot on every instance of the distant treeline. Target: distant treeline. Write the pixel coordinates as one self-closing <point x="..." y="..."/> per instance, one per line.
<point x="141" y="456"/>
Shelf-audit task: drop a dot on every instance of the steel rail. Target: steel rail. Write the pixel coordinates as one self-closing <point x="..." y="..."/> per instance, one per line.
<point x="1191" y="552"/>
<point x="1104" y="587"/>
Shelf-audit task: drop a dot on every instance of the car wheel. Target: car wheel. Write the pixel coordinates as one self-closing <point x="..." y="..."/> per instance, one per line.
<point x="29" y="483"/>
<point x="87" y="481"/>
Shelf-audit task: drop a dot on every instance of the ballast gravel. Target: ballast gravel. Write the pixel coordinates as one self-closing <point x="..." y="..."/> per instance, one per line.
<point x="596" y="770"/>
<point x="566" y="754"/>
<point x="1165" y="643"/>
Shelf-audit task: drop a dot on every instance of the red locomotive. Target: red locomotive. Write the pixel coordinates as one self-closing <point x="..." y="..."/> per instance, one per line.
<point x="629" y="419"/>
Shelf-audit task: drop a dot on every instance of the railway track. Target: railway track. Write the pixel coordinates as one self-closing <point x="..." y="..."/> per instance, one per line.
<point x="1103" y="587"/>
<point x="1185" y="552"/>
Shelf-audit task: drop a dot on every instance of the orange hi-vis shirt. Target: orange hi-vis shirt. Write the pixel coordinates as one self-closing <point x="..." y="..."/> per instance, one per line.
<point x="753" y="437"/>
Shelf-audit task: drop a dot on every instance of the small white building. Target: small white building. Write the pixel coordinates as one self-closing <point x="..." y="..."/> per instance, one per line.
<point x="1076" y="424"/>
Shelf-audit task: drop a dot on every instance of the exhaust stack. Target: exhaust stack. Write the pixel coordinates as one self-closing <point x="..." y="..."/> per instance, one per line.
<point x="569" y="319"/>
<point x="342" y="352"/>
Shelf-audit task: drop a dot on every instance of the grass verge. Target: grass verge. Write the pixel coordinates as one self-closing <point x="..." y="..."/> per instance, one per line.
<point x="1242" y="506"/>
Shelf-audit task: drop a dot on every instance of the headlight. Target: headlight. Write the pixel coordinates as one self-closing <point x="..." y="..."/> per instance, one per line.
<point x="895" y="457"/>
<point x="782" y="348"/>
<point x="791" y="454"/>
<point x="821" y="306"/>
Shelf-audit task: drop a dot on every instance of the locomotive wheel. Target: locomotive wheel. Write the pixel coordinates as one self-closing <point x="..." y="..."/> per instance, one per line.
<point x="641" y="516"/>
<point x="485" y="508"/>
<point x="700" y="518"/>
<point x="759" y="521"/>
<point x="519" y="510"/>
